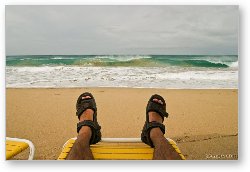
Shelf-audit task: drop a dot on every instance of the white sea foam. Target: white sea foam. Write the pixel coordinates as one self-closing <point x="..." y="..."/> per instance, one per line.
<point x="124" y="58"/>
<point x="153" y="77"/>
<point x="233" y="64"/>
<point x="59" y="58"/>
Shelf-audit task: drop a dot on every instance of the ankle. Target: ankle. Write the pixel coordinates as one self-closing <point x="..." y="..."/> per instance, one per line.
<point x="84" y="135"/>
<point x="156" y="136"/>
<point x="85" y="131"/>
<point x="156" y="133"/>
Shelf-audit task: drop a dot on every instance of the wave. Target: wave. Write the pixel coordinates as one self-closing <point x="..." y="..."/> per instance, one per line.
<point x="233" y="64"/>
<point x="126" y="61"/>
<point x="116" y="62"/>
<point x="204" y="63"/>
<point x="228" y="61"/>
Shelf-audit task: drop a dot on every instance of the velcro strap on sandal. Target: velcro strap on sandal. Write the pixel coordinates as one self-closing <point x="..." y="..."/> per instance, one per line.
<point x="84" y="105"/>
<point x="95" y="128"/>
<point x="145" y="135"/>
<point x="156" y="107"/>
<point x="155" y="124"/>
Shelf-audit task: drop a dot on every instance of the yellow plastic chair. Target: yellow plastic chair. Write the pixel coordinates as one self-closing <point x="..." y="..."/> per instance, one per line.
<point x="15" y="146"/>
<point x="118" y="149"/>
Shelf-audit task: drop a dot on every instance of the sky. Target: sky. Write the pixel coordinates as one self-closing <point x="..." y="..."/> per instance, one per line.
<point x="122" y="30"/>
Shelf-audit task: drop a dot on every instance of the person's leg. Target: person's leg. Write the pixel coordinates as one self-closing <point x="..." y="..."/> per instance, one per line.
<point x="81" y="148"/>
<point x="163" y="149"/>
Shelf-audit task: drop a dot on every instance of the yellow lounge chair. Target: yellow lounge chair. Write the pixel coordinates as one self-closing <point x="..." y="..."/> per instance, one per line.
<point x="118" y="149"/>
<point x="15" y="146"/>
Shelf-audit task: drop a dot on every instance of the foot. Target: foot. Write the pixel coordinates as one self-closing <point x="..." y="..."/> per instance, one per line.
<point x="86" y="111"/>
<point x="155" y="113"/>
<point x="81" y="149"/>
<point x="86" y="115"/>
<point x="154" y="116"/>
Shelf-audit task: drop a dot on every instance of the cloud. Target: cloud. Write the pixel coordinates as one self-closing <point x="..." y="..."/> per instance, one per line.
<point x="121" y="30"/>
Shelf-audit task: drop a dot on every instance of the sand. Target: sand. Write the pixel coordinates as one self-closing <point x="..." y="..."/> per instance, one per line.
<point x="204" y="123"/>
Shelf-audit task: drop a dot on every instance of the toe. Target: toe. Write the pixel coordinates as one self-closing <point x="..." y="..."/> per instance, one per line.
<point x="158" y="101"/>
<point x="155" y="100"/>
<point x="86" y="97"/>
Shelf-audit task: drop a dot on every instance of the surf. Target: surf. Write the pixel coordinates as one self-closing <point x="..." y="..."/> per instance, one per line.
<point x="125" y="61"/>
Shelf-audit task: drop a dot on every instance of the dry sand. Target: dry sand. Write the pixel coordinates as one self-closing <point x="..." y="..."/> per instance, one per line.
<point x="204" y="123"/>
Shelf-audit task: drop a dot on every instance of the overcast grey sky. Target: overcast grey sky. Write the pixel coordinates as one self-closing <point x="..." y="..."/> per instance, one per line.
<point x="47" y="30"/>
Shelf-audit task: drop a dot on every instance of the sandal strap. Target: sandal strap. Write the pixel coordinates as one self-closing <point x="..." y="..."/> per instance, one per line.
<point x="148" y="126"/>
<point x="95" y="128"/>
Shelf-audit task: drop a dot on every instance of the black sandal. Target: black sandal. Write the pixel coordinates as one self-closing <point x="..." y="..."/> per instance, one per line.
<point x="153" y="106"/>
<point x="81" y="106"/>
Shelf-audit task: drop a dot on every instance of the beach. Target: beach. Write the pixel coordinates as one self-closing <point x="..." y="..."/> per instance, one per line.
<point x="203" y="122"/>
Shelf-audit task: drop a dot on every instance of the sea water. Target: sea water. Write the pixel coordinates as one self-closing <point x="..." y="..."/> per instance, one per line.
<point x="143" y="71"/>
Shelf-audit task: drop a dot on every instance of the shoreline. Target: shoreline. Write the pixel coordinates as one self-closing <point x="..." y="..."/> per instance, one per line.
<point x="201" y="121"/>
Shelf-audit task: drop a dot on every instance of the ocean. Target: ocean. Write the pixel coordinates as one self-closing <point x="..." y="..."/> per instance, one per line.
<point x="136" y="71"/>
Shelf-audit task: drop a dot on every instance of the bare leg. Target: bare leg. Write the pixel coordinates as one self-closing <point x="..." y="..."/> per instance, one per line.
<point x="163" y="149"/>
<point x="81" y="148"/>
